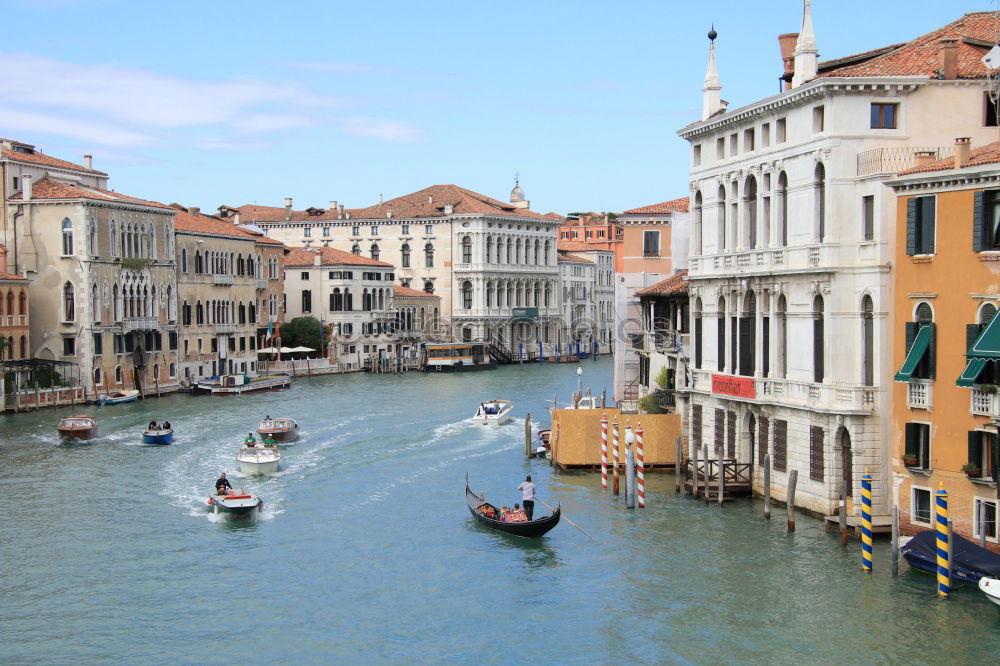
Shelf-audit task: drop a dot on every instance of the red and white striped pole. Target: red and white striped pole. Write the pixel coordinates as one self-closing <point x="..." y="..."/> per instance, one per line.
<point x="604" y="452"/>
<point x="614" y="452"/>
<point x="640" y="471"/>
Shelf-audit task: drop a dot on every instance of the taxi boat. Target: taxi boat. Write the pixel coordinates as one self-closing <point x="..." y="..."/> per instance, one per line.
<point x="493" y="412"/>
<point x="236" y="505"/>
<point x="258" y="459"/>
<point x="80" y="426"/>
<point x="280" y="430"/>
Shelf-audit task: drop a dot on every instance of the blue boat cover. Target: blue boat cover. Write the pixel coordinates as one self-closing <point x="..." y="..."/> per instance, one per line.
<point x="969" y="560"/>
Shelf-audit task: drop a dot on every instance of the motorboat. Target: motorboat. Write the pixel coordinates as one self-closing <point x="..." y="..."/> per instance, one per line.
<point x="281" y="430"/>
<point x="237" y="504"/>
<point x="991" y="588"/>
<point x="80" y="426"/>
<point x="259" y="459"/>
<point x="117" y="397"/>
<point x="970" y="563"/>
<point x="543" y="450"/>
<point x="493" y="412"/>
<point x="158" y="435"/>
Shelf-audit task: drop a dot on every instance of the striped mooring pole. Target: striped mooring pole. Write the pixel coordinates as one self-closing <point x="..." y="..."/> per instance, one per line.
<point x="640" y="471"/>
<point x="614" y="455"/>
<point x="604" y="452"/>
<point x="941" y="501"/>
<point x="866" y="521"/>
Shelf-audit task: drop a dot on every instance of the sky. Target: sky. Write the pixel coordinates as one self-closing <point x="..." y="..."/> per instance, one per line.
<point x="218" y="102"/>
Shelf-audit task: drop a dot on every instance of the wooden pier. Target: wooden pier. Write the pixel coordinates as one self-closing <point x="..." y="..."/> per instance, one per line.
<point x="736" y="480"/>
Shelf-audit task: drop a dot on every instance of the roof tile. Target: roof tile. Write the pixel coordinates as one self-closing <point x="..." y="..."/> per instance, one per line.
<point x="672" y="206"/>
<point x="306" y="256"/>
<point x="675" y="284"/>
<point x="988" y="154"/>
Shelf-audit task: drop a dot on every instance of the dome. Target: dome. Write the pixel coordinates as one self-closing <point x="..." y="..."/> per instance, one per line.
<point x="516" y="194"/>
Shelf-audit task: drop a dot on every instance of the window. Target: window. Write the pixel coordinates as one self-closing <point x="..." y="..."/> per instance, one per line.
<point x="184" y="260"/>
<point x="405" y="230"/>
<point x="818" y="340"/>
<point x="696" y="155"/>
<point x="98" y="344"/>
<point x="720" y="336"/>
<point x="918" y="444"/>
<point x="356" y="249"/>
<point x="868" y="217"/>
<point x="374" y="230"/>
<point x="984" y="519"/>
<point x="920" y="226"/>
<point x="172" y="340"/>
<point x="983" y="454"/>
<point x="307" y="232"/>
<point x="733" y="145"/>
<point x="819" y="119"/>
<point x="428" y="287"/>
<point x="405" y="255"/>
<point x="466" y="250"/>
<point x="355" y="231"/>
<point x="304" y="275"/>
<point x="780" y="130"/>
<point x="990" y="111"/>
<point x="467" y="295"/>
<point x="326" y="231"/>
<point x="67" y="237"/>
<point x="884" y="116"/>
<point x="429" y="229"/>
<point x="696" y="232"/>
<point x="816" y="468"/>
<point x="986" y="221"/>
<point x="92" y="237"/>
<point x="748" y="140"/>
<point x="920" y="505"/>
<point x="819" y="187"/>
<point x="720" y="241"/>
<point x="868" y="341"/>
<point x="98" y="377"/>
<point x="780" y="445"/>
<point x="650" y="243"/>
<point x="69" y="346"/>
<point x="697" y="334"/>
<point x="69" y="303"/>
<point x="765" y="135"/>
<point x="429" y="255"/>
<point x="118" y="374"/>
<point x="782" y="209"/>
<point x="306" y="300"/>
<point x="720" y="148"/>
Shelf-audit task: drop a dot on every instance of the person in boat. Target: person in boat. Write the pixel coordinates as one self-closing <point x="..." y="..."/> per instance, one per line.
<point x="540" y="452"/>
<point x="222" y="485"/>
<point x="250" y="441"/>
<point x="269" y="442"/>
<point x="152" y="425"/>
<point x="517" y="515"/>
<point x="166" y="425"/>
<point x="504" y="511"/>
<point x="528" y="496"/>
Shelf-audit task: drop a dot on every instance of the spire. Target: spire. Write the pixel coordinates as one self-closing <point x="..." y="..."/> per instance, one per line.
<point x="712" y="90"/>
<point x="806" y="54"/>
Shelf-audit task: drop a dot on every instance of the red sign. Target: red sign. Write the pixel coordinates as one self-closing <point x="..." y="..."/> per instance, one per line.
<point x="738" y="387"/>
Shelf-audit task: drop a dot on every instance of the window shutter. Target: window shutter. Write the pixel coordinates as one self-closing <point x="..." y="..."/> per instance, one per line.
<point x="912" y="448"/>
<point x="720" y="334"/>
<point x="746" y="346"/>
<point x="971" y="333"/>
<point x="818" y="369"/>
<point x="975" y="448"/>
<point x="911" y="334"/>
<point x="765" y="359"/>
<point x="927" y="225"/>
<point x="731" y="435"/>
<point x="762" y="439"/>
<point x="720" y="426"/>
<point x="932" y="353"/>
<point x="911" y="226"/>
<point x="979" y="222"/>
<point x="816" y="467"/>
<point x="780" y="445"/>
<point x="994" y="454"/>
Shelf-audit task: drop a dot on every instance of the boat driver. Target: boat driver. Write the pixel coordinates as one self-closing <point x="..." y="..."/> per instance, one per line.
<point x="269" y="441"/>
<point x="250" y="441"/>
<point x="152" y="425"/>
<point x="222" y="486"/>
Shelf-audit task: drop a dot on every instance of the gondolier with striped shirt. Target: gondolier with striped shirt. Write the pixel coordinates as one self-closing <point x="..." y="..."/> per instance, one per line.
<point x="528" y="496"/>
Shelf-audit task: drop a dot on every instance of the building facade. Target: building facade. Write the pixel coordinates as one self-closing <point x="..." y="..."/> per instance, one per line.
<point x="602" y="326"/>
<point x="791" y="248"/>
<point x="665" y="351"/>
<point x="15" y="341"/>
<point x="417" y="314"/>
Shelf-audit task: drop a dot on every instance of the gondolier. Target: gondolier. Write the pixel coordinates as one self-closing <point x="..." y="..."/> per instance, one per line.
<point x="528" y="496"/>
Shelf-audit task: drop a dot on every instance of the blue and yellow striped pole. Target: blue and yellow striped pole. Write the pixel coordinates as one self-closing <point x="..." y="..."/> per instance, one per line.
<point x="944" y="582"/>
<point x="866" y="521"/>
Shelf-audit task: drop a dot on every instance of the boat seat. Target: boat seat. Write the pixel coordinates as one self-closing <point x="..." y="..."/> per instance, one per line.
<point x="235" y="496"/>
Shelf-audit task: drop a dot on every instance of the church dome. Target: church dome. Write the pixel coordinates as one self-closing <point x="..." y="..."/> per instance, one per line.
<point x="516" y="194"/>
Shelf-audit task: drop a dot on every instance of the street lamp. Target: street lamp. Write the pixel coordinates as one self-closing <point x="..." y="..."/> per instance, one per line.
<point x="629" y="436"/>
<point x="579" y="380"/>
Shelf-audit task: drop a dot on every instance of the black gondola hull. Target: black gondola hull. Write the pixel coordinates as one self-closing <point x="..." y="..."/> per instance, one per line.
<point x="531" y="529"/>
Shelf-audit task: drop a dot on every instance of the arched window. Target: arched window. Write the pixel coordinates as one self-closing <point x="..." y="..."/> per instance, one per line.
<point x="747" y="341"/>
<point x="510" y="250"/>
<point x="750" y="213"/>
<point x="986" y="315"/>
<point x="348" y="300"/>
<point x="868" y="341"/>
<point x="92" y="237"/>
<point x="356" y="249"/>
<point x="429" y="255"/>
<point x="537" y="247"/>
<point x="548" y="293"/>
<point x="517" y="251"/>
<point x="95" y="304"/>
<point x="489" y="249"/>
<point x="114" y="238"/>
<point x="118" y="374"/>
<point x="10" y="303"/>
<point x="467" y="295"/>
<point x="67" y="237"/>
<point x="819" y="187"/>
<point x="242" y="314"/>
<point x="697" y="333"/>
<point x="546" y="251"/>
<point x="720" y="239"/>
<point x="199" y="313"/>
<point x="374" y="251"/>
<point x="172" y="370"/>
<point x="466" y="250"/>
<point x="720" y="359"/>
<point x="69" y="302"/>
<point x="428" y="287"/>
<point x="199" y="266"/>
<point x="252" y="312"/>
<point x="186" y="314"/>
<point x="24" y="347"/>
<point x="782" y="209"/>
<point x="22" y="305"/>
<point x="98" y="377"/>
<point x="696" y="231"/>
<point x="405" y="255"/>
<point x="818" y="341"/>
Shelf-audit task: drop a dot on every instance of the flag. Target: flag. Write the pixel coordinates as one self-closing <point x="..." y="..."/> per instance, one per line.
<point x="270" y="331"/>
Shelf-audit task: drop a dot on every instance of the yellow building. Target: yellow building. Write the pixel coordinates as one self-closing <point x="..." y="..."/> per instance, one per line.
<point x="947" y="339"/>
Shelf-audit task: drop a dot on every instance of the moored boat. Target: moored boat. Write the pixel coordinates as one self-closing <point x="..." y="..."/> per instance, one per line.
<point x="281" y="430"/>
<point x="237" y="384"/>
<point x="80" y="426"/>
<point x="259" y="459"/>
<point x="117" y="397"/>
<point x="488" y="515"/>
<point x="991" y="588"/>
<point x="493" y="412"/>
<point x="236" y="505"/>
<point x="158" y="436"/>
<point x="458" y="356"/>
<point x="970" y="562"/>
<point x="543" y="450"/>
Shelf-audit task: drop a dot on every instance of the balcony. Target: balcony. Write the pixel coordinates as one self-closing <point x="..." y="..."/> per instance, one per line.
<point x="261" y="284"/>
<point x="897" y="158"/>
<point x="131" y="324"/>
<point x="918" y="395"/>
<point x="808" y="395"/>
<point x="224" y="328"/>
<point x="222" y="279"/>
<point x="984" y="403"/>
<point x="665" y="341"/>
<point x="763" y="261"/>
<point x="13" y="320"/>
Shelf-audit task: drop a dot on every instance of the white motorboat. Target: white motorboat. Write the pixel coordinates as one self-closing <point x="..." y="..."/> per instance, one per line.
<point x="259" y="459"/>
<point x="238" y="504"/>
<point x="493" y="412"/>
<point x="991" y="588"/>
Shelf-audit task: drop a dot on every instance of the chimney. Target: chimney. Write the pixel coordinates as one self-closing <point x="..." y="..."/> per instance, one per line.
<point x="786" y="43"/>
<point x="333" y="204"/>
<point x="288" y="208"/>
<point x="388" y="213"/>
<point x="194" y="210"/>
<point x="948" y="58"/>
<point x="88" y="161"/>
<point x="806" y="54"/>
<point x="318" y="259"/>
<point x="430" y="198"/>
<point x="26" y="187"/>
<point x="923" y="157"/>
<point x="962" y="148"/>
<point x="340" y="210"/>
<point x="449" y="209"/>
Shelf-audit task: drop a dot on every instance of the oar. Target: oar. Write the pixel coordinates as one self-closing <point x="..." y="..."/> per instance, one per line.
<point x="567" y="519"/>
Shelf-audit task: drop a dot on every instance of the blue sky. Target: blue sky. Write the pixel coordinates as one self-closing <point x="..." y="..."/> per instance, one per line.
<point x="216" y="102"/>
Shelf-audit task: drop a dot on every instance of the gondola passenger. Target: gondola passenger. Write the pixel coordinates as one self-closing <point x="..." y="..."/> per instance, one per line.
<point x="517" y="515"/>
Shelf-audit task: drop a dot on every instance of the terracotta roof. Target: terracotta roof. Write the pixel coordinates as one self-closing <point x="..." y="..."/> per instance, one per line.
<point x="573" y="259"/>
<point x="920" y="56"/>
<point x="675" y="284"/>
<point x="200" y="223"/>
<point x="303" y="256"/>
<point x="672" y="206"/>
<point x="988" y="154"/>
<point x="40" y="159"/>
<point x="48" y="188"/>
<point x="255" y="213"/>
<point x="399" y="291"/>
<point x="579" y="246"/>
<point x="554" y="216"/>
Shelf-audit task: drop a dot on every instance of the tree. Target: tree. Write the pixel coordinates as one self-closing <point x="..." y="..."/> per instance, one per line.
<point x="302" y="332"/>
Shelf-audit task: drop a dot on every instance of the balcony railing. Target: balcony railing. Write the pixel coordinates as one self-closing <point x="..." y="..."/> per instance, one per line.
<point x="763" y="260"/>
<point x="666" y="341"/>
<point x="897" y="158"/>
<point x="983" y="403"/>
<point x="140" y="324"/>
<point x="222" y="279"/>
<point x="261" y="284"/>
<point x="918" y="395"/>
<point x="13" y="320"/>
<point x="858" y="399"/>
<point x="224" y="328"/>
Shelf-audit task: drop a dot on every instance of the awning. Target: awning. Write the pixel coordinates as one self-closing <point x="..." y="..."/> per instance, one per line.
<point x="916" y="353"/>
<point x="987" y="345"/>
<point x="972" y="370"/>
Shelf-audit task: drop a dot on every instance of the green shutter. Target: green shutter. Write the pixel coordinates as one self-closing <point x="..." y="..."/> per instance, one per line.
<point x="979" y="222"/>
<point x="912" y="448"/>
<point x="972" y="332"/>
<point x="932" y="353"/>
<point x="927" y="225"/>
<point x="911" y="334"/>
<point x="915" y="354"/>
<point x="911" y="226"/>
<point x="975" y="448"/>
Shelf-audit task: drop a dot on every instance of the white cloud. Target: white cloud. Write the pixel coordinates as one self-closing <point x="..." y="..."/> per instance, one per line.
<point x="95" y="132"/>
<point x="387" y="130"/>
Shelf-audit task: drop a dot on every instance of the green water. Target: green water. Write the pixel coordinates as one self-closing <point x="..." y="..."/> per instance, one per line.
<point x="366" y="551"/>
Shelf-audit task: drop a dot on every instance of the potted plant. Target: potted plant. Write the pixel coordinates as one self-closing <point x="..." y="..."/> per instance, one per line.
<point x="972" y="470"/>
<point x="988" y="388"/>
<point x="910" y="460"/>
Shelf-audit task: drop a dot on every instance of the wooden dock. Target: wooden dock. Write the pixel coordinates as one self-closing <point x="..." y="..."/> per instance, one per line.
<point x="736" y="481"/>
<point x="880" y="524"/>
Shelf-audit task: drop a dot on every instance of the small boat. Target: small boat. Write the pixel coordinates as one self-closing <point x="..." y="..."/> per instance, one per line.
<point x="158" y="436"/>
<point x="970" y="562"/>
<point x="280" y="430"/>
<point x="493" y="412"/>
<point x="488" y="515"/>
<point x="117" y="397"/>
<point x="237" y="505"/>
<point x="239" y="384"/>
<point x="543" y="450"/>
<point x="991" y="588"/>
<point x="80" y="426"/>
<point x="259" y="459"/>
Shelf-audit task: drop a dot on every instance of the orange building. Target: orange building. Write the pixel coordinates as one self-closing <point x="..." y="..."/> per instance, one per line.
<point x="946" y="408"/>
<point x="14" y="339"/>
<point x="648" y="238"/>
<point x="601" y="233"/>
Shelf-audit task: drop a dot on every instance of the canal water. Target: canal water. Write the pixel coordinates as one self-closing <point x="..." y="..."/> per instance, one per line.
<point x="366" y="551"/>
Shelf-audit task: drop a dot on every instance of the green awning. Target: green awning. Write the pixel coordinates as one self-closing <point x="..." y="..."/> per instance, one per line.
<point x="987" y="345"/>
<point x="972" y="370"/>
<point x="916" y="353"/>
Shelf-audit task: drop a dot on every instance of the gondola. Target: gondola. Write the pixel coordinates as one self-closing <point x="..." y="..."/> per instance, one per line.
<point x="530" y="529"/>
